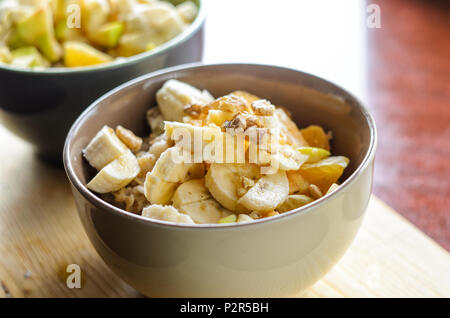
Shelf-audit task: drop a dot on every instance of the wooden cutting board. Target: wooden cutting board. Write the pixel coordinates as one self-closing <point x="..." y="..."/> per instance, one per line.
<point x="40" y="234"/>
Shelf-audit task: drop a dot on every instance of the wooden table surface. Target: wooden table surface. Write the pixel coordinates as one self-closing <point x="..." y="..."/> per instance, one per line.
<point x="41" y="234"/>
<point x="409" y="94"/>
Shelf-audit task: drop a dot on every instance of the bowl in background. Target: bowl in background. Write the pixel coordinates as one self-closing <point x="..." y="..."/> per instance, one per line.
<point x="274" y="257"/>
<point x="41" y="105"/>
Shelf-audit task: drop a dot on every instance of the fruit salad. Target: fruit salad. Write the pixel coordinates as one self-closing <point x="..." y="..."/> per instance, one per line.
<point x="231" y="159"/>
<point x="76" y="33"/>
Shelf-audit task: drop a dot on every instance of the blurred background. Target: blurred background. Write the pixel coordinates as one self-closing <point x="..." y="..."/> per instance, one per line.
<point x="400" y="70"/>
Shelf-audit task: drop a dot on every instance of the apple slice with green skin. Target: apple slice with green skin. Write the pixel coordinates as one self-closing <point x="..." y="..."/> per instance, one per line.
<point x="37" y="30"/>
<point x="50" y="48"/>
<point x="15" y="41"/>
<point x="108" y="35"/>
<point x="28" y="57"/>
<point x="64" y="33"/>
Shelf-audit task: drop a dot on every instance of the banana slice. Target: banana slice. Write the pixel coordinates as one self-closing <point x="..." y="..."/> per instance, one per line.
<point x="116" y="174"/>
<point x="297" y="184"/>
<point x="244" y="218"/>
<point x="104" y="148"/>
<point x="332" y="188"/>
<point x="286" y="158"/>
<point x="166" y="213"/>
<point x="294" y="201"/>
<point x="269" y="192"/>
<point x="158" y="191"/>
<point x="206" y="211"/>
<point x="224" y="180"/>
<point x="175" y="95"/>
<point x="193" y="198"/>
<point x="189" y="192"/>
<point x="289" y="129"/>
<point x="170" y="167"/>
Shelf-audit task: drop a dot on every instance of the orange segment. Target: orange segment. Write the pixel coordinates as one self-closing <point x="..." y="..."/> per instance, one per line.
<point x="82" y="54"/>
<point x="316" y="137"/>
<point x="325" y="172"/>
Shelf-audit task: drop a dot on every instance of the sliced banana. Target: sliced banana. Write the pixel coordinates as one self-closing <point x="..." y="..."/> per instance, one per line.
<point x="332" y="188"/>
<point x="205" y="211"/>
<point x="104" y="148"/>
<point x="170" y="167"/>
<point x="166" y="213"/>
<point x="224" y="180"/>
<point x="289" y="129"/>
<point x="286" y="158"/>
<point x="244" y="218"/>
<point x="297" y="184"/>
<point x="294" y="201"/>
<point x="175" y="95"/>
<point x="158" y="191"/>
<point x="193" y="198"/>
<point x="115" y="175"/>
<point x="269" y="192"/>
<point x="189" y="192"/>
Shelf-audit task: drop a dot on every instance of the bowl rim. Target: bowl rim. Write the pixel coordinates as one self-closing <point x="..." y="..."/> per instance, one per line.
<point x="181" y="38"/>
<point x="109" y="208"/>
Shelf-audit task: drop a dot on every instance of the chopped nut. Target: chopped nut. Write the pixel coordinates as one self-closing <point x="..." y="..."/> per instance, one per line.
<point x="230" y="103"/>
<point x="129" y="138"/>
<point x="237" y="122"/>
<point x="146" y="162"/>
<point x="263" y="107"/>
<point x="314" y="191"/>
<point x="132" y="198"/>
<point x="247" y="182"/>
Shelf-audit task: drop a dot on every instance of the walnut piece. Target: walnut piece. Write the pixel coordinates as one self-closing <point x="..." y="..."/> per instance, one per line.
<point x="263" y="107"/>
<point x="129" y="138"/>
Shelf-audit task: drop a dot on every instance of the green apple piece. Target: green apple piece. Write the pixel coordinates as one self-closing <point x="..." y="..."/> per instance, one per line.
<point x="108" y="35"/>
<point x="50" y="48"/>
<point x="228" y="219"/>
<point x="28" y="57"/>
<point x="15" y="41"/>
<point x="64" y="33"/>
<point x="37" y="30"/>
<point x="37" y="25"/>
<point x="314" y="154"/>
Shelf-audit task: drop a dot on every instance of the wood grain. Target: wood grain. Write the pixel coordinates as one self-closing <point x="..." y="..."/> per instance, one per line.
<point x="40" y="234"/>
<point x="409" y="95"/>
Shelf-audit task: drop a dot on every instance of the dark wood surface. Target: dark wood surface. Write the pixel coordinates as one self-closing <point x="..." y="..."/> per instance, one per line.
<point x="409" y="95"/>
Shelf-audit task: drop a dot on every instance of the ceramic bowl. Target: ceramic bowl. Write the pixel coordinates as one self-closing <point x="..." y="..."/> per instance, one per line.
<point x="273" y="257"/>
<point x="41" y="105"/>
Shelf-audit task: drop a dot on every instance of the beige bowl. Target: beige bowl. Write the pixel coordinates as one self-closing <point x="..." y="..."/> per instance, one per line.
<point x="275" y="257"/>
